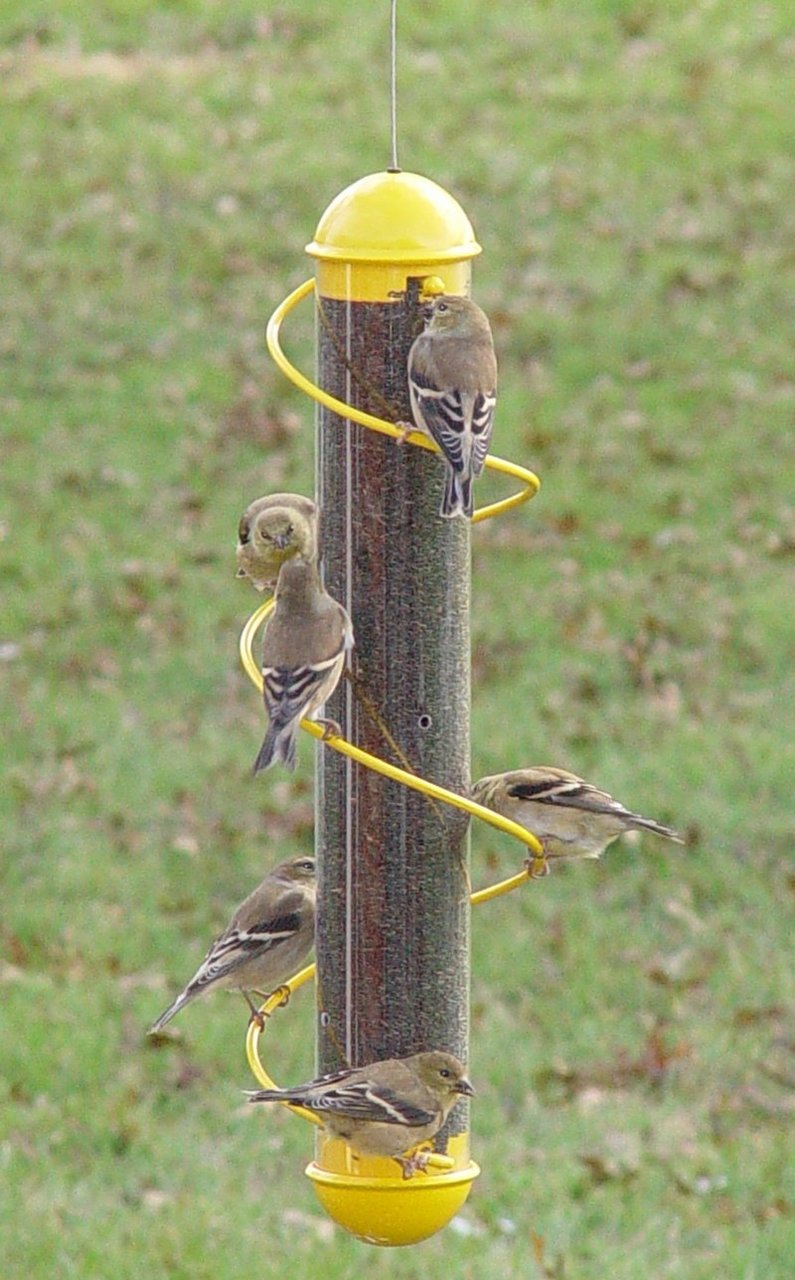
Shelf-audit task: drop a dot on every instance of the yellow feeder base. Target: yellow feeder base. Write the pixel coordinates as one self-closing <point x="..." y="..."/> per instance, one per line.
<point x="382" y="1208"/>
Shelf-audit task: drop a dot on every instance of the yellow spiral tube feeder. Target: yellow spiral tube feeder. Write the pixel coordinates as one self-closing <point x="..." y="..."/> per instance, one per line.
<point x="383" y="246"/>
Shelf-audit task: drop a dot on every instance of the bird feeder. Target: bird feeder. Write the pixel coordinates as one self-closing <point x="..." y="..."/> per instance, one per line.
<point x="391" y="810"/>
<point x="393" y="916"/>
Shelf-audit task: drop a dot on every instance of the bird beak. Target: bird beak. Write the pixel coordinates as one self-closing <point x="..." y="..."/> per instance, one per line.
<point x="281" y="540"/>
<point x="464" y="1087"/>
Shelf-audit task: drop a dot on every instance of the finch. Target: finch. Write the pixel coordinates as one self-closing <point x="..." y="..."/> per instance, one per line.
<point x="271" y="530"/>
<point x="571" y="818"/>
<point x="303" y="653"/>
<point x="386" y="1108"/>
<point x="453" y="388"/>
<point x="266" y="941"/>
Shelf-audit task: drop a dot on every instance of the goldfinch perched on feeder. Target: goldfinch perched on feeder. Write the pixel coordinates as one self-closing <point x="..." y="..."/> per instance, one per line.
<point x="303" y="653"/>
<point x="453" y="387"/>
<point x="267" y="940"/>
<point x="386" y="1108"/>
<point x="271" y="530"/>
<point x="571" y="818"/>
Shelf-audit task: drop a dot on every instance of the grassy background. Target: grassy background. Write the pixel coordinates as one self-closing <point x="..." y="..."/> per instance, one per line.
<point x="627" y="167"/>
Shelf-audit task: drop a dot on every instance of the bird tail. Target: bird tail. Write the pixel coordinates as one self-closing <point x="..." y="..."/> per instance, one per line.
<point x="648" y="824"/>
<point x="457" y="497"/>
<point x="174" y="1008"/>
<point x="269" y="1095"/>
<point x="278" y="745"/>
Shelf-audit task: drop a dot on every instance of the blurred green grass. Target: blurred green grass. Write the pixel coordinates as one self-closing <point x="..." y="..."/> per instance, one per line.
<point x="627" y="168"/>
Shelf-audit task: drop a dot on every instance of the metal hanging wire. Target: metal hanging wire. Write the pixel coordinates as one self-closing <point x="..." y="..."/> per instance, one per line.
<point x="394" y="166"/>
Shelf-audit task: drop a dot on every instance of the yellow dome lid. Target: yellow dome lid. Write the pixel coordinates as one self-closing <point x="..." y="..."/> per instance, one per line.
<point x="394" y="217"/>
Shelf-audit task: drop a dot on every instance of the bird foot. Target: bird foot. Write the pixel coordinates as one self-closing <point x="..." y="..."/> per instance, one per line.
<point x="330" y="729"/>
<point x="257" y="1016"/>
<point x="405" y="429"/>
<point x="537" y="865"/>
<point x="417" y="1162"/>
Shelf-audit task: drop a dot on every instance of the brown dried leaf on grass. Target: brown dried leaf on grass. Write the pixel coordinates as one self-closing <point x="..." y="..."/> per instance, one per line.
<point x="553" y="1270"/>
<point x="250" y="418"/>
<point x="682" y="970"/>
<point x="186" y="1073"/>
<point x="617" y="1158"/>
<point x="289" y="814"/>
<point x="752" y="1015"/>
<point x="779" y="1207"/>
<point x="650" y="1066"/>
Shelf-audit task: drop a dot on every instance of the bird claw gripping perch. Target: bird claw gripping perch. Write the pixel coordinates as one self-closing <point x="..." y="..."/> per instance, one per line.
<point x="416" y="1161"/>
<point x="331" y="729"/>
<point x="537" y="865"/>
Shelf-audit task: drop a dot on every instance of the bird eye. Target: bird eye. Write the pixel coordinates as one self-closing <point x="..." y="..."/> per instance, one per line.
<point x="442" y="306"/>
<point x="445" y="1073"/>
<point x="289" y="530"/>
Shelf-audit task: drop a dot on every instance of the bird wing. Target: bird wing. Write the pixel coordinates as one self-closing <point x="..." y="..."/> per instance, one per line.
<point x="454" y="419"/>
<point x="569" y="793"/>
<point x="288" y="690"/>
<point x="573" y="793"/>
<point x="363" y="1100"/>
<point x="482" y="424"/>
<point x="238" y="946"/>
